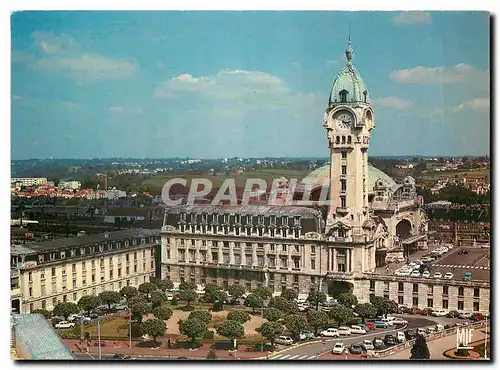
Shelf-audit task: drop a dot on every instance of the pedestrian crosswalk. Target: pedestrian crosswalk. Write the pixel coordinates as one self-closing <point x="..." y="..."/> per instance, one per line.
<point x="463" y="267"/>
<point x="292" y="357"/>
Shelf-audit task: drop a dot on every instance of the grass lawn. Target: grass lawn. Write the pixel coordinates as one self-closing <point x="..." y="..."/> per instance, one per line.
<point x="117" y="327"/>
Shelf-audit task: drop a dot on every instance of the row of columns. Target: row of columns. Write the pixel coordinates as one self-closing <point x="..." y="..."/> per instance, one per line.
<point x="332" y="259"/>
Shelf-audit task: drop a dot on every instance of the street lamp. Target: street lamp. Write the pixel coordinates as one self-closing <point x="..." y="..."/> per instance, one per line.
<point x="130" y="328"/>
<point x="99" y="339"/>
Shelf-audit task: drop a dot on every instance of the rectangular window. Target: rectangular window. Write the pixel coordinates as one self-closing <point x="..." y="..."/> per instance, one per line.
<point x="400" y="299"/>
<point x="445" y="303"/>
<point x="344" y="170"/>
<point x="476" y="292"/>
<point x="430" y="289"/>
<point x="313" y="249"/>
<point x="460" y="305"/>
<point x="460" y="291"/>
<point x="343" y="202"/>
<point x="343" y="185"/>
<point x="344" y="155"/>
<point x="475" y="306"/>
<point x="415" y="301"/>
<point x="260" y="261"/>
<point x="283" y="247"/>
<point x="248" y="259"/>
<point x="372" y="284"/>
<point x="296" y="263"/>
<point x="430" y="302"/>
<point x="313" y="264"/>
<point x="272" y="262"/>
<point x="296" y="278"/>
<point x="445" y="290"/>
<point x="401" y="287"/>
<point x="53" y="271"/>
<point x="284" y="262"/>
<point x="415" y="288"/>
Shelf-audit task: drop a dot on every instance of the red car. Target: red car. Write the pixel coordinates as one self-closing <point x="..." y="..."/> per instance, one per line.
<point x="477" y="317"/>
<point x="370" y="325"/>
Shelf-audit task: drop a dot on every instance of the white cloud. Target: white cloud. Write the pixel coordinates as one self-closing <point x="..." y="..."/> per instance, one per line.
<point x="226" y="85"/>
<point x="50" y="43"/>
<point x="88" y="67"/>
<point x="474" y="104"/>
<point x="116" y="110"/>
<point x="441" y="75"/>
<point x="392" y="102"/>
<point x="413" y="17"/>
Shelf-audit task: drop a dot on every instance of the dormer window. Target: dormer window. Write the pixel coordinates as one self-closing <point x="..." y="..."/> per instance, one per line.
<point x="343" y="96"/>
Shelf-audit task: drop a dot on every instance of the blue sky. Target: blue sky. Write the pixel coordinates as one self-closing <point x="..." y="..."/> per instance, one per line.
<point x="250" y="84"/>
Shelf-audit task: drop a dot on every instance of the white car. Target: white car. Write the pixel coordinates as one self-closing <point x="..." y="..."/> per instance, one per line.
<point x="439" y="313"/>
<point x="338" y="348"/>
<point x="355" y="329"/>
<point x="287" y="341"/>
<point x="330" y="332"/>
<point x="438" y="275"/>
<point x="300" y="300"/>
<point x="367" y="345"/>
<point x="427" y="259"/>
<point x="400" y="336"/>
<point x="389" y="322"/>
<point x="344" y="330"/>
<point x="426" y="274"/>
<point x="415" y="273"/>
<point x="399" y="321"/>
<point x="430" y="330"/>
<point x="65" y="325"/>
<point x="170" y="296"/>
<point x="449" y="275"/>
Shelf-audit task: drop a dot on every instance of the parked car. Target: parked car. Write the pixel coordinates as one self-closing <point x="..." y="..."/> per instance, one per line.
<point x="356" y="349"/>
<point x="367" y="345"/>
<point x="389" y="322"/>
<point x="170" y="296"/>
<point x="452" y="314"/>
<point x="357" y="329"/>
<point x="449" y="275"/>
<point x="120" y="307"/>
<point x="415" y="273"/>
<point x="439" y="327"/>
<point x="65" y="325"/>
<point x="399" y="321"/>
<point x="381" y="324"/>
<point x="330" y="332"/>
<point x="362" y="326"/>
<point x="370" y="325"/>
<point x="422" y="331"/>
<point x="378" y="343"/>
<point x="390" y="340"/>
<point x="465" y="315"/>
<point x="338" y="348"/>
<point x="438" y="275"/>
<point x="287" y="341"/>
<point x="430" y="330"/>
<point x="439" y="313"/>
<point x="426" y="274"/>
<point x="427" y="311"/>
<point x="410" y="334"/>
<point x="74" y="318"/>
<point x="400" y="337"/>
<point x="416" y="311"/>
<point x="477" y="317"/>
<point x="344" y="330"/>
<point x="306" y="334"/>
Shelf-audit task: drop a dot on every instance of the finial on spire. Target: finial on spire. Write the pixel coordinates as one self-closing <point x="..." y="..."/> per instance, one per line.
<point x="348" y="51"/>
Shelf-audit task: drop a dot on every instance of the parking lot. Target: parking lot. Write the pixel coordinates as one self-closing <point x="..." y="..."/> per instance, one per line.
<point x="476" y="262"/>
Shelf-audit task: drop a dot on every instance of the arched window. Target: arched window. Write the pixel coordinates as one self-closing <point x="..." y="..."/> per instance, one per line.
<point x="365" y="95"/>
<point x="343" y="96"/>
<point x="337" y="140"/>
<point x="349" y="139"/>
<point x="343" y="139"/>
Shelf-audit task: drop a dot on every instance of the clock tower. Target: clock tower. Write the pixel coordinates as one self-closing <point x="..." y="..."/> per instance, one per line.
<point x="348" y="121"/>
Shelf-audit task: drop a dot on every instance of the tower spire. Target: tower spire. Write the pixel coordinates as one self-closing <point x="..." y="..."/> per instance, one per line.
<point x="349" y="51"/>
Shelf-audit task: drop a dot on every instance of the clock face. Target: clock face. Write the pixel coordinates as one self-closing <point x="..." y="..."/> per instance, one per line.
<point x="344" y="120"/>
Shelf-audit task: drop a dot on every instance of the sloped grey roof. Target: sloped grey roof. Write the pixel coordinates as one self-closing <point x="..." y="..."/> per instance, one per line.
<point x="35" y="336"/>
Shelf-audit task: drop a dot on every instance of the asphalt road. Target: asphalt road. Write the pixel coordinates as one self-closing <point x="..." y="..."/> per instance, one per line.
<point x="310" y="351"/>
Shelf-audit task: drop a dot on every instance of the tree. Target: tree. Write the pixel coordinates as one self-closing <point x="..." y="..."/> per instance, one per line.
<point x="45" y="313"/>
<point x="65" y="309"/>
<point x="236" y="290"/>
<point x="212" y="355"/>
<point x="162" y="312"/>
<point x="192" y="328"/>
<point x="187" y="285"/>
<point x="189" y="296"/>
<point x="263" y="292"/>
<point x="272" y="314"/>
<point x="295" y="323"/>
<point x="128" y="292"/>
<point x="347" y="299"/>
<point x="219" y="296"/>
<point x="365" y="310"/>
<point x="147" y="289"/>
<point x="287" y="307"/>
<point x="158" y="298"/>
<point x="109" y="298"/>
<point x="139" y="309"/>
<point x="340" y="313"/>
<point x="132" y="301"/>
<point x="316" y="297"/>
<point x="382" y="305"/>
<point x="201" y="315"/>
<point x="419" y="351"/>
<point x="253" y="301"/>
<point x="317" y="320"/>
<point x="230" y="329"/>
<point x="239" y="316"/>
<point x="154" y="327"/>
<point x="164" y="285"/>
<point x="88" y="303"/>
<point x="289" y="294"/>
<point x="271" y="330"/>
<point x="211" y="288"/>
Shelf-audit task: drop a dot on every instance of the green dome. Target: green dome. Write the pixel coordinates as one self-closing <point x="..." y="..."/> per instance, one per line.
<point x="348" y="86"/>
